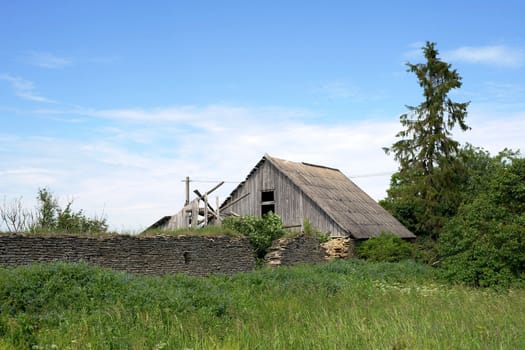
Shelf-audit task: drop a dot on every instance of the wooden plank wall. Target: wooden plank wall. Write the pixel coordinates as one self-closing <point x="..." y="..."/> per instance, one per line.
<point x="290" y="202"/>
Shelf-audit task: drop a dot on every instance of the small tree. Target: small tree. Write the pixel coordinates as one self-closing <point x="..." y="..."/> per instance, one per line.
<point x="51" y="217"/>
<point x="424" y="191"/>
<point x="48" y="217"/>
<point x="15" y="217"/>
<point x="47" y="210"/>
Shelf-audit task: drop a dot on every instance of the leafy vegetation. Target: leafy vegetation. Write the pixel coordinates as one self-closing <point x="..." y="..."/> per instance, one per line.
<point x="49" y="217"/>
<point x="338" y="305"/>
<point x="260" y="230"/>
<point x="467" y="207"/>
<point x="385" y="247"/>
<point x="484" y="245"/>
<point x="308" y="229"/>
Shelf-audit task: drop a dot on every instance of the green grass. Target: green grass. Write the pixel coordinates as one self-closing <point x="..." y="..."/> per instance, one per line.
<point x="338" y="305"/>
<point x="204" y="231"/>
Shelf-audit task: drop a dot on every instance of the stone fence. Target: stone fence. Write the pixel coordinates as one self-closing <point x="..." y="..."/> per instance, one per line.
<point x="196" y="255"/>
<point x="190" y="254"/>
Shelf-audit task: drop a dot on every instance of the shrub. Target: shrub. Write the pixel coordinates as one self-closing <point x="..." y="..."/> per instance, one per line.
<point x="260" y="230"/>
<point x="385" y="247"/>
<point x="48" y="217"/>
<point x="52" y="218"/>
<point x="484" y="245"/>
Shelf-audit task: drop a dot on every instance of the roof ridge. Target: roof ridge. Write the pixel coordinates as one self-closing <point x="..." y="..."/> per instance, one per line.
<point x="320" y="166"/>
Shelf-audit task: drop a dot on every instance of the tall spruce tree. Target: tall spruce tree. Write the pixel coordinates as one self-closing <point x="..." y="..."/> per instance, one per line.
<point x="424" y="192"/>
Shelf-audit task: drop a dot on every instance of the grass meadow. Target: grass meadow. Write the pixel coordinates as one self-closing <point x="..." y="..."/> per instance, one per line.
<point x="338" y="305"/>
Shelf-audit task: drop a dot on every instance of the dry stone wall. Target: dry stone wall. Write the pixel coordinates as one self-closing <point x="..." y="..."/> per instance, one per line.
<point x="197" y="255"/>
<point x="301" y="249"/>
<point x="306" y="249"/>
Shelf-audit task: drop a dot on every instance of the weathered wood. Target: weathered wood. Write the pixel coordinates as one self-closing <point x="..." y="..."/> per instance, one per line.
<point x="206" y="205"/>
<point x="214" y="188"/>
<point x="325" y="196"/>
<point x="218" y="217"/>
<point x="235" y="201"/>
<point x="195" y="214"/>
<point x="187" y="190"/>
<point x="202" y="198"/>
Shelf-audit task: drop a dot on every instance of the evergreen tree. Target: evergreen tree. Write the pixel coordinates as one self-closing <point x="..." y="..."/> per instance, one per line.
<point x="425" y="190"/>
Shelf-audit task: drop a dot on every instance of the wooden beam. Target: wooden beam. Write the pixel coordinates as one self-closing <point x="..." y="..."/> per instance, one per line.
<point x="213" y="189"/>
<point x="201" y="197"/>
<point x="235" y="201"/>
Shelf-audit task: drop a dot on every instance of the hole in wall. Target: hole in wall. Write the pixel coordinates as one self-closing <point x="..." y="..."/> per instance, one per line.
<point x="186" y="256"/>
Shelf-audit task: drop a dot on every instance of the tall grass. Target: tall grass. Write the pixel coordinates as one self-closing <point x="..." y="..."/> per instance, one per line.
<point x="203" y="231"/>
<point x="338" y="305"/>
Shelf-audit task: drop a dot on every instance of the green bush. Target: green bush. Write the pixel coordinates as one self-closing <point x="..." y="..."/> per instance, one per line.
<point x="52" y="218"/>
<point x="260" y="230"/>
<point x="484" y="245"/>
<point x="385" y="247"/>
<point x="48" y="217"/>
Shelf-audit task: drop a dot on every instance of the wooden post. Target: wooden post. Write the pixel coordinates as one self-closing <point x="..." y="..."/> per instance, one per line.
<point x="205" y="209"/>
<point x="187" y="190"/>
<point x="195" y="213"/>
<point x="217" y="211"/>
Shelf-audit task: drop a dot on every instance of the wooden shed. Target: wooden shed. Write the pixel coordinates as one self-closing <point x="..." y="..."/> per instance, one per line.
<point x="325" y="196"/>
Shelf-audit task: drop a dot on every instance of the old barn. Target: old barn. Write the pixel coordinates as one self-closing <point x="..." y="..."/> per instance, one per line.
<point x="325" y="196"/>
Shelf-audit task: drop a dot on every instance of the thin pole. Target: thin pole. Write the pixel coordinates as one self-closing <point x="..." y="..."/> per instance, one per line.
<point x="187" y="190"/>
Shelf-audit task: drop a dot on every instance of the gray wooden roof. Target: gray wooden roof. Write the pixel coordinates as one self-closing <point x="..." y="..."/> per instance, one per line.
<point x="342" y="200"/>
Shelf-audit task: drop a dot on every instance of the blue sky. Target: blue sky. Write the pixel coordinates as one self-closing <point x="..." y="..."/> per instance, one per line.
<point x="113" y="103"/>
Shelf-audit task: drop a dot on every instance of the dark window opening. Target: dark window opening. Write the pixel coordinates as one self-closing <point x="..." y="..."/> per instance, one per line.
<point x="267" y="202"/>
<point x="186" y="256"/>
<point x="266" y="208"/>
<point x="267" y="196"/>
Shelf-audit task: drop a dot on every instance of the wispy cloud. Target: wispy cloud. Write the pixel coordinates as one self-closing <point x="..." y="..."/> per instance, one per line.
<point x="414" y="51"/>
<point x="342" y="90"/>
<point x="24" y="89"/>
<point x="498" y="55"/>
<point x="337" y="90"/>
<point x="46" y="60"/>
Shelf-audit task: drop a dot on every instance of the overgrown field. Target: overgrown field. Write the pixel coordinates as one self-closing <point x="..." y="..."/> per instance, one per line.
<point x="339" y="305"/>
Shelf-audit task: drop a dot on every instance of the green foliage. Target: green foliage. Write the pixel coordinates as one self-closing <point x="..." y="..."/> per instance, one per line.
<point x="484" y="245"/>
<point x="349" y="304"/>
<point x="45" y="296"/>
<point x="385" y="247"/>
<point x="48" y="217"/>
<point x="52" y="218"/>
<point x="423" y="194"/>
<point x="260" y="230"/>
<point x="309" y="230"/>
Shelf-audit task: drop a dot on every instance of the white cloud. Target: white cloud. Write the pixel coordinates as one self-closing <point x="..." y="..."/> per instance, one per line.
<point x="24" y="89"/>
<point x="498" y="55"/>
<point x="414" y="51"/>
<point x="342" y="90"/>
<point x="132" y="171"/>
<point x="339" y="90"/>
<point x="46" y="60"/>
<point x="494" y="130"/>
